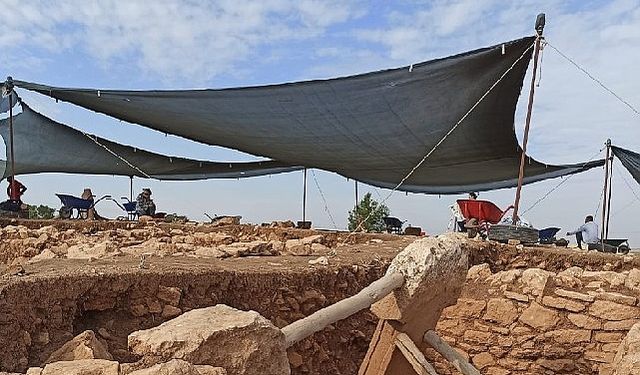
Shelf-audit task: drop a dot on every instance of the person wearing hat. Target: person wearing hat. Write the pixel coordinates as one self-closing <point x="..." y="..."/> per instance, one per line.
<point x="144" y="203"/>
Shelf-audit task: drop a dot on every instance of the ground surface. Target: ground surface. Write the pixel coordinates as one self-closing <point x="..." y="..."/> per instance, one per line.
<point x="58" y="278"/>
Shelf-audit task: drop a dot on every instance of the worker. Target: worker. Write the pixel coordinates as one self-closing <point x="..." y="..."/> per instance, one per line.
<point x="92" y="214"/>
<point x="473" y="196"/>
<point x="15" y="190"/>
<point x="144" y="203"/>
<point x="588" y="233"/>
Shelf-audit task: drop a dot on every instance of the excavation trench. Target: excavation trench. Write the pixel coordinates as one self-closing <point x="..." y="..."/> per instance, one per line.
<point x="59" y="298"/>
<point x="39" y="315"/>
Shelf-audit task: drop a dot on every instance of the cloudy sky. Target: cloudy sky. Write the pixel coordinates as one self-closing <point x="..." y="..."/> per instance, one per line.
<point x="170" y="44"/>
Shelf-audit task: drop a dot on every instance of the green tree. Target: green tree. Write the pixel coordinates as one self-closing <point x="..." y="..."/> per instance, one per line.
<point x="41" y="212"/>
<point x="370" y="214"/>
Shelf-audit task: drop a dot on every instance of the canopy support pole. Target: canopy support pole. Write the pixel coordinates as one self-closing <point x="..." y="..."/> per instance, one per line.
<point x="540" y="21"/>
<point x="606" y="203"/>
<point x="606" y="232"/>
<point x="304" y="195"/>
<point x="356" y="187"/>
<point x="9" y="86"/>
<point x="130" y="188"/>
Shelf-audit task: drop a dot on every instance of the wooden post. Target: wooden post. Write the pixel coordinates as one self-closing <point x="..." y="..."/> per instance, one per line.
<point x="450" y="354"/>
<point x="317" y="321"/>
<point x="539" y="28"/>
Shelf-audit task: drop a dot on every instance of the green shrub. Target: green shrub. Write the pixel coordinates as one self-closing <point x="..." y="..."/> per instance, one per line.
<point x="370" y="210"/>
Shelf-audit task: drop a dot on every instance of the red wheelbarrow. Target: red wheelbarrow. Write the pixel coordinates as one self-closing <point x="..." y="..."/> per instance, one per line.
<point x="480" y="215"/>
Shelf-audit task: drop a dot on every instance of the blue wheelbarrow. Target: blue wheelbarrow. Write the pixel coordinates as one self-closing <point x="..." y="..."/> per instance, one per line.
<point x="127" y="206"/>
<point x="547" y="236"/>
<point x="81" y="207"/>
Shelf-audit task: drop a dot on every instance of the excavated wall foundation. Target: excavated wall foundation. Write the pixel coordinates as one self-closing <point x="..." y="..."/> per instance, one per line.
<point x="38" y="316"/>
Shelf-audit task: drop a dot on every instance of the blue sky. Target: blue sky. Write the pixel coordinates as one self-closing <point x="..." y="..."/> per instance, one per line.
<point x="174" y="44"/>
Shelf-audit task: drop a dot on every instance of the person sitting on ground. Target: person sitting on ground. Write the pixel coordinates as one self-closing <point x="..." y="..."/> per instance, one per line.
<point x="588" y="233"/>
<point x="144" y="203"/>
<point x="92" y="214"/>
<point x="15" y="190"/>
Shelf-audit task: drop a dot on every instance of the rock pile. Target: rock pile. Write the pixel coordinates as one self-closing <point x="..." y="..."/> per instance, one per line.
<point x="19" y="245"/>
<point x="525" y="321"/>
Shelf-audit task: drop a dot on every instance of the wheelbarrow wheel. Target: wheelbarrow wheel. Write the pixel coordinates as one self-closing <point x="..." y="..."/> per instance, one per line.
<point x="623" y="249"/>
<point x="65" y="212"/>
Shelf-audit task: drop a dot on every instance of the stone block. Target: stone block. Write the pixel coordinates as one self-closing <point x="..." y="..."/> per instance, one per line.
<point x="539" y="317"/>
<point x="574" y="295"/>
<point x="180" y="367"/>
<point x="613" y="311"/>
<point x="617" y="297"/>
<point x="501" y="311"/>
<point x="534" y="280"/>
<point x="479" y="337"/>
<point x="633" y="280"/>
<point x="82" y="367"/>
<point x="599" y="356"/>
<point x="243" y="342"/>
<point x="620" y="325"/>
<point x="483" y="360"/>
<point x="562" y="303"/>
<point x="170" y="295"/>
<point x="584" y="321"/>
<point x="83" y="346"/>
<point x="516" y="296"/>
<point x="479" y="272"/>
<point x="627" y="359"/>
<point x="567" y="336"/>
<point x="465" y="307"/>
<point x="608" y="336"/>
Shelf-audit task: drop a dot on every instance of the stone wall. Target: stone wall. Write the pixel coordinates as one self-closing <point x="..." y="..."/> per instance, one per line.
<point x="532" y="321"/>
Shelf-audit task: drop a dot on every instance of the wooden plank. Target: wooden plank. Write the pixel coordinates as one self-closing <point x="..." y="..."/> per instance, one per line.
<point x="414" y="355"/>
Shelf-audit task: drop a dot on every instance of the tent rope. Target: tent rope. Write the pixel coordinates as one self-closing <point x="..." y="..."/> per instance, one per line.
<point x="432" y="150"/>
<point x="95" y="140"/>
<point x="560" y="184"/>
<point x="324" y="201"/>
<point x="593" y="78"/>
<point x="635" y="195"/>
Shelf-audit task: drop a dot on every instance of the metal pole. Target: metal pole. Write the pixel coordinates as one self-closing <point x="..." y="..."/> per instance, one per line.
<point x="539" y="28"/>
<point x="13" y="162"/>
<point x="130" y="188"/>
<point x="606" y="232"/>
<point x="356" y="185"/>
<point x="304" y="196"/>
<point x="606" y="191"/>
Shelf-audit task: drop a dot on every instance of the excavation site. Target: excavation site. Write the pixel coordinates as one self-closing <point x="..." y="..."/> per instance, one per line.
<point x="92" y="297"/>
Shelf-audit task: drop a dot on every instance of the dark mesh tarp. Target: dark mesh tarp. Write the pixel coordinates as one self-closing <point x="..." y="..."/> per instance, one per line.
<point x="630" y="160"/>
<point x="43" y="145"/>
<point x="372" y="127"/>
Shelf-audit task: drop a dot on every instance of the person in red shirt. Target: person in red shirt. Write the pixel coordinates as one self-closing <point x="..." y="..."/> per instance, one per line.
<point x="15" y="189"/>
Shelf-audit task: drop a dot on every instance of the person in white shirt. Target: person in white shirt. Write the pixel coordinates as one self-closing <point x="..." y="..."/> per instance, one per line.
<point x="588" y="233"/>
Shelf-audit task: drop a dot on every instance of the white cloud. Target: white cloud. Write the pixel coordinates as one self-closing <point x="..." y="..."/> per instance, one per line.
<point x="173" y="39"/>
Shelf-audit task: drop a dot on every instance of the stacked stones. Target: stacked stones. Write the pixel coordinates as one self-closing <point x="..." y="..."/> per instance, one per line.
<point x="526" y="321"/>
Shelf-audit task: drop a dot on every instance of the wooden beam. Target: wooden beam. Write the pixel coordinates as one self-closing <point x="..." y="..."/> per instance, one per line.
<point x="317" y="321"/>
<point x="450" y="354"/>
